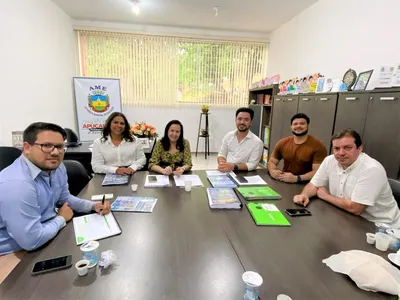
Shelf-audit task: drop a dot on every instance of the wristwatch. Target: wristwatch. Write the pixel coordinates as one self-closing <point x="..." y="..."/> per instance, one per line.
<point x="235" y="167"/>
<point x="298" y="178"/>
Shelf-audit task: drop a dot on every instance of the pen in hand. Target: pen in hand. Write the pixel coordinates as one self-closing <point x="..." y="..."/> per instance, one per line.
<point x="102" y="201"/>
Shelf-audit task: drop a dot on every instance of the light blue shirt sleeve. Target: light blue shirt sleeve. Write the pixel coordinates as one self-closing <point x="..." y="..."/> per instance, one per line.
<point x="77" y="204"/>
<point x="21" y="212"/>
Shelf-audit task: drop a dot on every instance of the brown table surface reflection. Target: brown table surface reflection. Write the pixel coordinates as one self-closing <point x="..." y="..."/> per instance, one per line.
<point x="184" y="250"/>
<point x="290" y="258"/>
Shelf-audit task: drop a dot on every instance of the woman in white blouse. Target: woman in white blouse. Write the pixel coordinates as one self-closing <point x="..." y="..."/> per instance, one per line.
<point x="117" y="151"/>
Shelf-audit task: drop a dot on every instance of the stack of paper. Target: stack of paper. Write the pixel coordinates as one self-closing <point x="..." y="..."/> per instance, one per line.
<point x="258" y="193"/>
<point x="161" y="181"/>
<point x="223" y="198"/>
<point x="180" y="180"/>
<point x="136" y="204"/>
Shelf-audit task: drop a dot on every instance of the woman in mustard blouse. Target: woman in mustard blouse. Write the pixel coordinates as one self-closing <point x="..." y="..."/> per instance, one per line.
<point x="171" y="154"/>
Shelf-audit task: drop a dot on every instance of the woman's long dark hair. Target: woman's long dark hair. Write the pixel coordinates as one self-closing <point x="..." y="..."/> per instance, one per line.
<point x="165" y="139"/>
<point x="126" y="134"/>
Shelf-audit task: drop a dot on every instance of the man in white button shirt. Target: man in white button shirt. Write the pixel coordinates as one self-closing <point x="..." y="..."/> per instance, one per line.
<point x="241" y="149"/>
<point x="353" y="181"/>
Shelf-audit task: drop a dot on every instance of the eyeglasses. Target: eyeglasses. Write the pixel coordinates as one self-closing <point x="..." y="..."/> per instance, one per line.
<point x="48" y="148"/>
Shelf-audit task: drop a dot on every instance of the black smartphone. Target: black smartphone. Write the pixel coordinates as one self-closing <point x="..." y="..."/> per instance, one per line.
<point x="241" y="179"/>
<point x="51" y="265"/>
<point x="152" y="178"/>
<point x="297" y="212"/>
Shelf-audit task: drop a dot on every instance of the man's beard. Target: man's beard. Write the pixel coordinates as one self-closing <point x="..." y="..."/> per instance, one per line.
<point x="300" y="134"/>
<point x="243" y="130"/>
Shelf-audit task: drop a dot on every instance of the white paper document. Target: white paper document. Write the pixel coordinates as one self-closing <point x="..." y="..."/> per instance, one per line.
<point x="94" y="227"/>
<point x="248" y="180"/>
<point x="214" y="173"/>
<point x="157" y="181"/>
<point x="180" y="180"/>
<point x="100" y="197"/>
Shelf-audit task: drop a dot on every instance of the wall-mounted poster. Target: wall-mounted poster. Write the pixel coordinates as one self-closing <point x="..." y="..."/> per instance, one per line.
<point x="96" y="99"/>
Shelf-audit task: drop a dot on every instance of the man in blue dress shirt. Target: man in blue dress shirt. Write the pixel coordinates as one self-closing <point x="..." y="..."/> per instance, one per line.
<point x="33" y="187"/>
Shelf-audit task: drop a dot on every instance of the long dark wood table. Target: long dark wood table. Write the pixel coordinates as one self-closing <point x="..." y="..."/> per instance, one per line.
<point x="184" y="250"/>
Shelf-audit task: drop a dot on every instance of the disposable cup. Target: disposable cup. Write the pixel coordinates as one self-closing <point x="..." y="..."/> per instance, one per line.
<point x="134" y="187"/>
<point x="82" y="267"/>
<point x="188" y="185"/>
<point x="382" y="241"/>
<point x="90" y="252"/>
<point x="370" y="238"/>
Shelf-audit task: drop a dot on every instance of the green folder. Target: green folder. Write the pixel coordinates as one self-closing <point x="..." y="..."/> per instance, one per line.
<point x="258" y="193"/>
<point x="267" y="214"/>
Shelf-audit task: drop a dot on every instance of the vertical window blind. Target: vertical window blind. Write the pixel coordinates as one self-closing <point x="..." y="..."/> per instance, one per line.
<point x="169" y="71"/>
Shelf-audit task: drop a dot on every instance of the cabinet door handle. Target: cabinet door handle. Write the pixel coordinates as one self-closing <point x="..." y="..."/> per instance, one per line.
<point x="351" y="98"/>
<point x="278" y="99"/>
<point x="387" y="98"/>
<point x="305" y="99"/>
<point x="323" y="99"/>
<point x="290" y="99"/>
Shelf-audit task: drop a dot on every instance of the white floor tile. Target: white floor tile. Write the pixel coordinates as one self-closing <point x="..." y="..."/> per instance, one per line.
<point x="201" y="163"/>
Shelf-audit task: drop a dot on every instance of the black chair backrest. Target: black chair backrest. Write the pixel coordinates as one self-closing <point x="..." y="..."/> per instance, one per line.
<point x="77" y="176"/>
<point x="395" y="186"/>
<point x="72" y="138"/>
<point x="8" y="155"/>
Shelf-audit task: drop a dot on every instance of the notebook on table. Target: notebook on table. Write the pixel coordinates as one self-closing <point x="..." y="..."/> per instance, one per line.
<point x="258" y="193"/>
<point x="223" y="198"/>
<point x="94" y="227"/>
<point x="134" y="204"/>
<point x="115" y="179"/>
<point x="267" y="214"/>
<point x="221" y="181"/>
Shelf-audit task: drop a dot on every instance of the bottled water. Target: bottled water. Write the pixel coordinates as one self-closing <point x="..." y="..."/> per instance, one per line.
<point x="252" y="281"/>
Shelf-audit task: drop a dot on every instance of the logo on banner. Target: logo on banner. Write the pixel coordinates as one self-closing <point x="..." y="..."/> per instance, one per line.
<point x="98" y="99"/>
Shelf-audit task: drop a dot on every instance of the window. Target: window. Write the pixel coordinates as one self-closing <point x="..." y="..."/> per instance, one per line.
<point x="166" y="71"/>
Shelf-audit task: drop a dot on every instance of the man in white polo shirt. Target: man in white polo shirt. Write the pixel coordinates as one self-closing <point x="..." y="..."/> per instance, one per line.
<point x="241" y="149"/>
<point x="353" y="181"/>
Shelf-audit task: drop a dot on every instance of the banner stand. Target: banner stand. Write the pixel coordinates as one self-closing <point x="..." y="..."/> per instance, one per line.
<point x="95" y="99"/>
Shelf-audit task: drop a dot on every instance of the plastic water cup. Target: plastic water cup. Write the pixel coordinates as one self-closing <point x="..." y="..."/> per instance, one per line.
<point x="283" y="297"/>
<point x="382" y="241"/>
<point x="370" y="238"/>
<point x="90" y="252"/>
<point x="188" y="185"/>
<point x="134" y="187"/>
<point x="82" y="267"/>
<point x="252" y="282"/>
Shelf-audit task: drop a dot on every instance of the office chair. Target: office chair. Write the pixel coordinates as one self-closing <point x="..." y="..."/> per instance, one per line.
<point x="8" y="155"/>
<point x="395" y="186"/>
<point x="72" y="138"/>
<point x="77" y="176"/>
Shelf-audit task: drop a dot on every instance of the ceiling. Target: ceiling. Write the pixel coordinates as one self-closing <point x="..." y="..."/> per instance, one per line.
<point x="234" y="15"/>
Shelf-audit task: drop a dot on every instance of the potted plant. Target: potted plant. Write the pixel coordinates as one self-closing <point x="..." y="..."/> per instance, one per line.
<point x="203" y="132"/>
<point x="205" y="108"/>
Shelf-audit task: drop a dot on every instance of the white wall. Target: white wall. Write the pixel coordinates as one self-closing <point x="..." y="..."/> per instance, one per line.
<point x="38" y="61"/>
<point x="221" y="120"/>
<point x="38" y="58"/>
<point x="331" y="36"/>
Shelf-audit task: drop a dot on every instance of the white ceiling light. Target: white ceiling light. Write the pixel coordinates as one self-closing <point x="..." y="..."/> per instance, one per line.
<point x="135" y="7"/>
